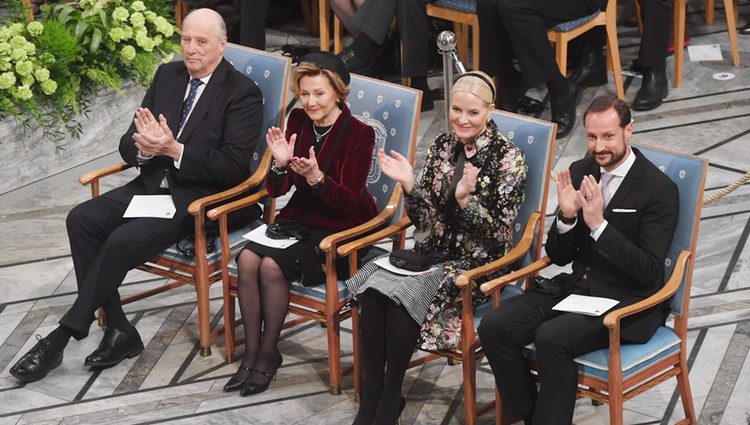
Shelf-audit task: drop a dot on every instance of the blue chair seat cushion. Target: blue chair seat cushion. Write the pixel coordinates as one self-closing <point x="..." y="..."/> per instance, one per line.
<point x="634" y="357"/>
<point x="236" y="242"/>
<point x="575" y="23"/>
<point x="467" y="6"/>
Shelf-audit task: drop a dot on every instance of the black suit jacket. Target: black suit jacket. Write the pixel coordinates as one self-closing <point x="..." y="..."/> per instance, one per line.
<point x="627" y="261"/>
<point x="219" y="137"/>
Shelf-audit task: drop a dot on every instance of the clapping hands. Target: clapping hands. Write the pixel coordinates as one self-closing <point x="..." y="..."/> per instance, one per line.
<point x="397" y="167"/>
<point x="154" y="137"/>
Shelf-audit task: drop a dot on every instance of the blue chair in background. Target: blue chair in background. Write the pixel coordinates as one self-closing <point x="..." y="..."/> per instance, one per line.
<point x="616" y="374"/>
<point x="536" y="139"/>
<point x="393" y="112"/>
<point x="271" y="73"/>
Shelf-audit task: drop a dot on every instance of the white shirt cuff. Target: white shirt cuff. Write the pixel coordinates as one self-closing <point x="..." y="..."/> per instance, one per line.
<point x="595" y="233"/>
<point x="179" y="160"/>
<point x="142" y="159"/>
<point x="565" y="228"/>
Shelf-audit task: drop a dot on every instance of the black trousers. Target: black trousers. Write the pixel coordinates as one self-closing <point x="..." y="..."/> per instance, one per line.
<point x="657" y="25"/>
<point x="559" y="338"/>
<point x="253" y="15"/>
<point x="518" y="29"/>
<point x="105" y="246"/>
<point x="374" y="19"/>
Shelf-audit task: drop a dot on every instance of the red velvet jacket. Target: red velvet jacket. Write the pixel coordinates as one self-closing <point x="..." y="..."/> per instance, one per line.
<point x="342" y="200"/>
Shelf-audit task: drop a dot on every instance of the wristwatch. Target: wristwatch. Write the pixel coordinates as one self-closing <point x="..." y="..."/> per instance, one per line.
<point x="277" y="170"/>
<point x="315" y="182"/>
<point x="565" y="220"/>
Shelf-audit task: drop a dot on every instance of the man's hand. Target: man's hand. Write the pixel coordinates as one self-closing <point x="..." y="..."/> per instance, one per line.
<point x="567" y="196"/>
<point x="592" y="202"/>
<point x="154" y="137"/>
<point x="466" y="185"/>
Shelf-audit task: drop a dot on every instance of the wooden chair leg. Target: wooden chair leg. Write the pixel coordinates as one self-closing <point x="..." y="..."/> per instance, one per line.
<point x="334" y="353"/>
<point x="229" y="334"/>
<point x="470" y="386"/>
<point x="710" y="11"/>
<point x="323" y="12"/>
<point x="356" y="355"/>
<point x="683" y="383"/>
<point x="475" y="44"/>
<point x="561" y="53"/>
<point x="613" y="53"/>
<point x="732" y="30"/>
<point x="338" y="35"/>
<point x="679" y="40"/>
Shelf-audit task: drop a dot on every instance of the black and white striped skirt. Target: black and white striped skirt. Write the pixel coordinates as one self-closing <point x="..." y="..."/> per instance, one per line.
<point x="415" y="292"/>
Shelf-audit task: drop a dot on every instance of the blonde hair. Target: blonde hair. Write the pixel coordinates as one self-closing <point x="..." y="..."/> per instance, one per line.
<point x="477" y="83"/>
<point x="307" y="69"/>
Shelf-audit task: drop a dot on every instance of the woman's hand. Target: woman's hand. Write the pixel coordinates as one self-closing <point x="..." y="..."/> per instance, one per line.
<point x="466" y="185"/>
<point x="307" y="167"/>
<point x="281" y="150"/>
<point x="397" y="167"/>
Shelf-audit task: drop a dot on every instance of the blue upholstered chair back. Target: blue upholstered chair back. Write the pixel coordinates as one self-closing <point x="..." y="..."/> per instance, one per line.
<point x="689" y="173"/>
<point x="467" y="6"/>
<point x="271" y="74"/>
<point x="536" y="138"/>
<point x="392" y="111"/>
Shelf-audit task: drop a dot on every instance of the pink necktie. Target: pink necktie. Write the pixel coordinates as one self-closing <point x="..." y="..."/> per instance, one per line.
<point x="607" y="192"/>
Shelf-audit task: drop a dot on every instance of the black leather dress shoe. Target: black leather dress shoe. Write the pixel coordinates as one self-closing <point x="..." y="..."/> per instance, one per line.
<point x="115" y="347"/>
<point x="591" y="72"/>
<point x="746" y="29"/>
<point x="38" y="362"/>
<point x="357" y="62"/>
<point x="653" y="89"/>
<point x="563" y="111"/>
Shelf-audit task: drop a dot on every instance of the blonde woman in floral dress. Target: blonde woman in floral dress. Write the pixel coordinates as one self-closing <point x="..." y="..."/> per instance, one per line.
<point x="472" y="224"/>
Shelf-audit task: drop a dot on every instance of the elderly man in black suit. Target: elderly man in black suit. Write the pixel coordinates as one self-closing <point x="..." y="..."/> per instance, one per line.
<point x="193" y="135"/>
<point x="617" y="216"/>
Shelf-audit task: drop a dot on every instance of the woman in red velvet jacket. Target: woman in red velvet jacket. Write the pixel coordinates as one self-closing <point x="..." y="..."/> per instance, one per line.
<point x="326" y="155"/>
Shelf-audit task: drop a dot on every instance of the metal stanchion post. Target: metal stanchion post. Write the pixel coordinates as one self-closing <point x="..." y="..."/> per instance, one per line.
<point x="446" y="42"/>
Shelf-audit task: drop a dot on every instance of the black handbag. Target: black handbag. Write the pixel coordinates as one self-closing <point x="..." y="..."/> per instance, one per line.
<point x="288" y="230"/>
<point x="553" y="288"/>
<point x="415" y="261"/>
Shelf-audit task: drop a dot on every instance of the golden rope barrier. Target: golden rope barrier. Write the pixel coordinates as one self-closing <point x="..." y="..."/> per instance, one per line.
<point x="727" y="190"/>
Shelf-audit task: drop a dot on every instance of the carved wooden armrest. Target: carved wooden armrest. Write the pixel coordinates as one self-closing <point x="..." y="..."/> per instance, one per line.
<point x="94" y="176"/>
<point x="514" y="254"/>
<point x="532" y="268"/>
<point x="612" y="319"/>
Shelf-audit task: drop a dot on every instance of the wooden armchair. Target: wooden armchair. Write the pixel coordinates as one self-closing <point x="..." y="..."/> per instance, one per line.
<point x="393" y="112"/>
<point x="616" y="374"/>
<point x="536" y="138"/>
<point x="271" y="73"/>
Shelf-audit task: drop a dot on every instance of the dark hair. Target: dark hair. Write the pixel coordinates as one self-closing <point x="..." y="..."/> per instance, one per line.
<point x="606" y="102"/>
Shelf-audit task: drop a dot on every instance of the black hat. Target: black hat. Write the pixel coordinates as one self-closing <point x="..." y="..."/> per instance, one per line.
<point x="329" y="61"/>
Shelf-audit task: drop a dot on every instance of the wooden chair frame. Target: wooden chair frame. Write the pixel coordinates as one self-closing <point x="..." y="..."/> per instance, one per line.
<point x="617" y="390"/>
<point x="469" y="347"/>
<point x="330" y="312"/>
<point x="606" y="18"/>
<point x="201" y="275"/>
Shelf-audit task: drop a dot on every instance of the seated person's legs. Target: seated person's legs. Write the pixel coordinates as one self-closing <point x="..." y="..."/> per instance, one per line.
<point x="591" y="70"/>
<point x="657" y="19"/>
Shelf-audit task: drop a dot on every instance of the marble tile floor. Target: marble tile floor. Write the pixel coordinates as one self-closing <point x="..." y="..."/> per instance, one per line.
<point x="171" y="383"/>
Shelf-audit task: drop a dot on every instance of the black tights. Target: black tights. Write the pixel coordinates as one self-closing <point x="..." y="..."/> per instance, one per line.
<point x="388" y="338"/>
<point x="263" y="306"/>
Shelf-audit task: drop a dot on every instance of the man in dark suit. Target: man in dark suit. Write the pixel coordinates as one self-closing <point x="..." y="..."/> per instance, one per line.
<point x="617" y="216"/>
<point x="193" y="135"/>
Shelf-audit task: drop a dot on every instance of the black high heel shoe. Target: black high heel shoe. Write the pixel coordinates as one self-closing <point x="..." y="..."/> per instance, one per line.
<point x="235" y="382"/>
<point x="250" y="388"/>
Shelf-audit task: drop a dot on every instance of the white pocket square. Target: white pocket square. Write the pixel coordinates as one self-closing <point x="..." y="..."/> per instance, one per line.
<point x="623" y="210"/>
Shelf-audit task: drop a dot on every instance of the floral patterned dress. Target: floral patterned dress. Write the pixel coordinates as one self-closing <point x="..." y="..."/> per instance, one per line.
<point x="482" y="231"/>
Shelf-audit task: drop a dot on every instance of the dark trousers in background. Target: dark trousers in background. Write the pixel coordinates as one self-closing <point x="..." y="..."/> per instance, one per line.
<point x="374" y="19"/>
<point x="559" y="338"/>
<point x="105" y="246"/>
<point x="518" y="28"/>
<point x="253" y="15"/>
<point x="657" y="26"/>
